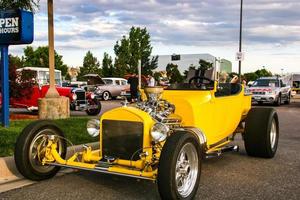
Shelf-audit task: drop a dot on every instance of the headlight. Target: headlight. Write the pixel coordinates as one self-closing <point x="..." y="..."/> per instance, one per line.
<point x="159" y="132"/>
<point x="92" y="96"/>
<point x="74" y="96"/>
<point x="93" y="127"/>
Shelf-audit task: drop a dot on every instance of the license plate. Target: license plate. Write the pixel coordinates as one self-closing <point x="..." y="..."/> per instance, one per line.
<point x="257" y="98"/>
<point x="123" y="93"/>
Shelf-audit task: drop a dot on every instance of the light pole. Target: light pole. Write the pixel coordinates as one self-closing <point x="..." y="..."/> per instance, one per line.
<point x="240" y="42"/>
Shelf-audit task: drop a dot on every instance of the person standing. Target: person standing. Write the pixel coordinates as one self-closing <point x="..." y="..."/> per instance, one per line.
<point x="151" y="81"/>
<point x="134" y="83"/>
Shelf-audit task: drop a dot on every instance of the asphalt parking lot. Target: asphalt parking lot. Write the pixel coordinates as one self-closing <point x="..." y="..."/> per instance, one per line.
<point x="231" y="176"/>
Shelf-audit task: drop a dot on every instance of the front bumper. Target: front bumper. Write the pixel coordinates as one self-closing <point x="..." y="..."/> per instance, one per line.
<point x="79" y="105"/>
<point x="264" y="98"/>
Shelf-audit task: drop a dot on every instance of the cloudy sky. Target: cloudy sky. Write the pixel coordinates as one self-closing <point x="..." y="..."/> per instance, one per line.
<point x="271" y="29"/>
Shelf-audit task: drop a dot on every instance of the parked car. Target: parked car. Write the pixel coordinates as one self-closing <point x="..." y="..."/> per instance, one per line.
<point x="163" y="138"/>
<point x="106" y="88"/>
<point x="79" y="98"/>
<point x="270" y="90"/>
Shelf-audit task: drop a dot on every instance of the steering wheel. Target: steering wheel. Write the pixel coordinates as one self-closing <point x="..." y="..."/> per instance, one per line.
<point x="200" y="84"/>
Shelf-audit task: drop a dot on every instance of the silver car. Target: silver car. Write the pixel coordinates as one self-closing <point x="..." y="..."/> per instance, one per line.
<point x="106" y="88"/>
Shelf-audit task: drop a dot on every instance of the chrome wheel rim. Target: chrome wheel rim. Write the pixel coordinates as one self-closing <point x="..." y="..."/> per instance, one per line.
<point x="37" y="145"/>
<point x="105" y="95"/>
<point x="186" y="170"/>
<point x="273" y="134"/>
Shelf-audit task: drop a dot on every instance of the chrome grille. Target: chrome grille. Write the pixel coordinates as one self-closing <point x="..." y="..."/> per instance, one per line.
<point x="80" y="95"/>
<point x="122" y="139"/>
<point x="259" y="93"/>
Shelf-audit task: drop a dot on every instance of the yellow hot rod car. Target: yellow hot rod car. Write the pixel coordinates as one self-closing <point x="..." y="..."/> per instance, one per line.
<point x="163" y="138"/>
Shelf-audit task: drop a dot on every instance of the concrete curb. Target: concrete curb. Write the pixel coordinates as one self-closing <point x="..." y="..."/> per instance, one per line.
<point x="10" y="178"/>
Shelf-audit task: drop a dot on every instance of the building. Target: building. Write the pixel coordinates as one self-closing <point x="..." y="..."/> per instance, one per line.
<point x="184" y="61"/>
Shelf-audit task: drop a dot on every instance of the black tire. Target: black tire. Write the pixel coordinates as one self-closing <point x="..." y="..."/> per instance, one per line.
<point x="32" y="168"/>
<point x="167" y="186"/>
<point x="288" y="100"/>
<point x="259" y="126"/>
<point x="94" y="111"/>
<point x="106" y="95"/>
<point x="278" y="102"/>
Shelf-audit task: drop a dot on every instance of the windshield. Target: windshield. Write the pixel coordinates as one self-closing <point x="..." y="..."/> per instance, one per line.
<point x="192" y="79"/>
<point x="266" y="83"/>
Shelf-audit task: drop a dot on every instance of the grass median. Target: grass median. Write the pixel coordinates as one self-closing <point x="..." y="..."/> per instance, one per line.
<point x="74" y="129"/>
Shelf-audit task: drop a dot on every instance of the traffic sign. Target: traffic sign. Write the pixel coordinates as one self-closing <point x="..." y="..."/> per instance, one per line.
<point x="239" y="56"/>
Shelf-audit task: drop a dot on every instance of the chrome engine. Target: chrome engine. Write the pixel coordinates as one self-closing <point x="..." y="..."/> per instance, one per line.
<point x="159" y="109"/>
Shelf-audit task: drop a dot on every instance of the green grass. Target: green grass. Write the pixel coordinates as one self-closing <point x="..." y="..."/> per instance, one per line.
<point x="74" y="129"/>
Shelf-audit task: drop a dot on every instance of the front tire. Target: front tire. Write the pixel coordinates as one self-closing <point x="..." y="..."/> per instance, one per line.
<point x="288" y="99"/>
<point x="179" y="167"/>
<point x="96" y="107"/>
<point x="106" y="95"/>
<point x="261" y="132"/>
<point x="278" y="102"/>
<point x="27" y="159"/>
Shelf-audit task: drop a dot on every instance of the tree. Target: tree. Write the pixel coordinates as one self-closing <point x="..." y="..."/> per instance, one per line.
<point x="107" y="66"/>
<point x="90" y="66"/>
<point x="129" y="50"/>
<point x="40" y="58"/>
<point x="174" y="74"/>
<point x="263" y="73"/>
<point x="15" y="61"/>
<point x="21" y="83"/>
<point x="31" y="5"/>
<point x="252" y="76"/>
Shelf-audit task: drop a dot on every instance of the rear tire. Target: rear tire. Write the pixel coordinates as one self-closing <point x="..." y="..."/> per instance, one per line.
<point x="26" y="157"/>
<point x="261" y="132"/>
<point x="179" y="167"/>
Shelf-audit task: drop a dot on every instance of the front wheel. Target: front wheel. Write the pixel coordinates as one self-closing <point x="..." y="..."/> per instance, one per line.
<point x="94" y="107"/>
<point x="179" y="167"/>
<point x="30" y="148"/>
<point x="261" y="132"/>
<point x="288" y="99"/>
<point x="278" y="102"/>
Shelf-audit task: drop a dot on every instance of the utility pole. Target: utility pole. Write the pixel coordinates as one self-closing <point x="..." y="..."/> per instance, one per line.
<point x="53" y="106"/>
<point x="240" y="43"/>
<point x="52" y="92"/>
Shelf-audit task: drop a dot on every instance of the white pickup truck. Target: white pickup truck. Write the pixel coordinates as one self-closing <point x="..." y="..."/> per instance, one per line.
<point x="270" y="90"/>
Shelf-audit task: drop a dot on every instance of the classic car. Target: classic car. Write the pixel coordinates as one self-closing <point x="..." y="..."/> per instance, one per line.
<point x="270" y="90"/>
<point x="79" y="98"/>
<point x="106" y="88"/>
<point x="162" y="138"/>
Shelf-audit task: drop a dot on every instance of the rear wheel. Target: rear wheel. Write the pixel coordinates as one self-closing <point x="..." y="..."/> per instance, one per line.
<point x="30" y="148"/>
<point x="179" y="167"/>
<point x="261" y="132"/>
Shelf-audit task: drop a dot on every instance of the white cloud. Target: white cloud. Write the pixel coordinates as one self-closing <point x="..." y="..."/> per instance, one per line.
<point x="189" y="26"/>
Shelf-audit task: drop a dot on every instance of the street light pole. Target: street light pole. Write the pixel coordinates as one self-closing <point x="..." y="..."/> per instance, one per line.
<point x="52" y="92"/>
<point x="240" y="43"/>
